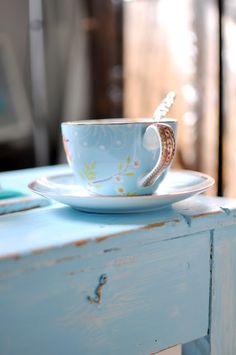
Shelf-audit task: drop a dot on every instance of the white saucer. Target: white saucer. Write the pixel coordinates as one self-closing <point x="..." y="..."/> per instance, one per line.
<point x="177" y="186"/>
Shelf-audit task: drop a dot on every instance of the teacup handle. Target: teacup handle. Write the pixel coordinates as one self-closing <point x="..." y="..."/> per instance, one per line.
<point x="165" y="135"/>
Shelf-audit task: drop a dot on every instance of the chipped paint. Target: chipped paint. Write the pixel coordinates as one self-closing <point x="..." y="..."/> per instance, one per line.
<point x="40" y="265"/>
<point x="160" y="224"/>
<point x="153" y="225"/>
<point x="206" y="214"/>
<point x="102" y="239"/>
<point x="41" y="250"/>
<point x="145" y="227"/>
<point x="79" y="243"/>
<point x="14" y="256"/>
<point x="111" y="249"/>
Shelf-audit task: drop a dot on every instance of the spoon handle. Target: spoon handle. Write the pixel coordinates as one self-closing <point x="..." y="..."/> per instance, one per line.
<point x="164" y="107"/>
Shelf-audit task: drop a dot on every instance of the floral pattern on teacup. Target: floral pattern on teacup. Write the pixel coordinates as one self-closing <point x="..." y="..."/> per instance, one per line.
<point x="121" y="191"/>
<point x="124" y="169"/>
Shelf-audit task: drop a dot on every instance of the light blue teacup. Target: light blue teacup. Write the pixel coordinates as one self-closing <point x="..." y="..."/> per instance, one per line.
<point x="120" y="157"/>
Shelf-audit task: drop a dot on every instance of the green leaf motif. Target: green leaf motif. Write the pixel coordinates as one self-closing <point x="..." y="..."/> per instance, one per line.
<point x="131" y="194"/>
<point x="91" y="176"/>
<point x="130" y="173"/>
<point x="129" y="159"/>
<point x="89" y="171"/>
<point x="93" y="164"/>
<point x="120" y="167"/>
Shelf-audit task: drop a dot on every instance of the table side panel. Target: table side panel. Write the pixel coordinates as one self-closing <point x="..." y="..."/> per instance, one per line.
<point x="223" y="310"/>
<point x="156" y="295"/>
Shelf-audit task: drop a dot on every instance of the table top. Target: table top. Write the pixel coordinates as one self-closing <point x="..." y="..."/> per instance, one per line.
<point x="47" y="225"/>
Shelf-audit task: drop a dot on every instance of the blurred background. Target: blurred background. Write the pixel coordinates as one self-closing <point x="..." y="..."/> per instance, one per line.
<point x="76" y="59"/>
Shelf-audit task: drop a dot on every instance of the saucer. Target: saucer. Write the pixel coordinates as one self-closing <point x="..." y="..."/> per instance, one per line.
<point x="177" y="186"/>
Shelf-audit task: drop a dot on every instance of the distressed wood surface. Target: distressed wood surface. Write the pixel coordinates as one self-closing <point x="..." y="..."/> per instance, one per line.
<point x="74" y="282"/>
<point x="223" y="307"/>
<point x="58" y="225"/>
<point x="28" y="231"/>
<point x="11" y="205"/>
<point x="17" y="183"/>
<point x="55" y="303"/>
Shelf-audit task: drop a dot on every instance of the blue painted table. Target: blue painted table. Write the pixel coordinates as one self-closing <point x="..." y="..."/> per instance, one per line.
<point x="80" y="283"/>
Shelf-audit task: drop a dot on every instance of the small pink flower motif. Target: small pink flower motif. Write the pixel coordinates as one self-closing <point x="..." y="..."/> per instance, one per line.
<point x="118" y="178"/>
<point x="136" y="163"/>
<point x="67" y="149"/>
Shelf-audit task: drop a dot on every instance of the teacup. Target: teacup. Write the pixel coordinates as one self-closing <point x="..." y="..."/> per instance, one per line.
<point x="119" y="157"/>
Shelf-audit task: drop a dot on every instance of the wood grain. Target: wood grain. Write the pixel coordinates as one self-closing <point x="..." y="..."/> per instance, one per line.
<point x="152" y="294"/>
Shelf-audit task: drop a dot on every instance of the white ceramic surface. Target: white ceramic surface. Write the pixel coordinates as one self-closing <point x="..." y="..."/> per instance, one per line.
<point x="177" y="186"/>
